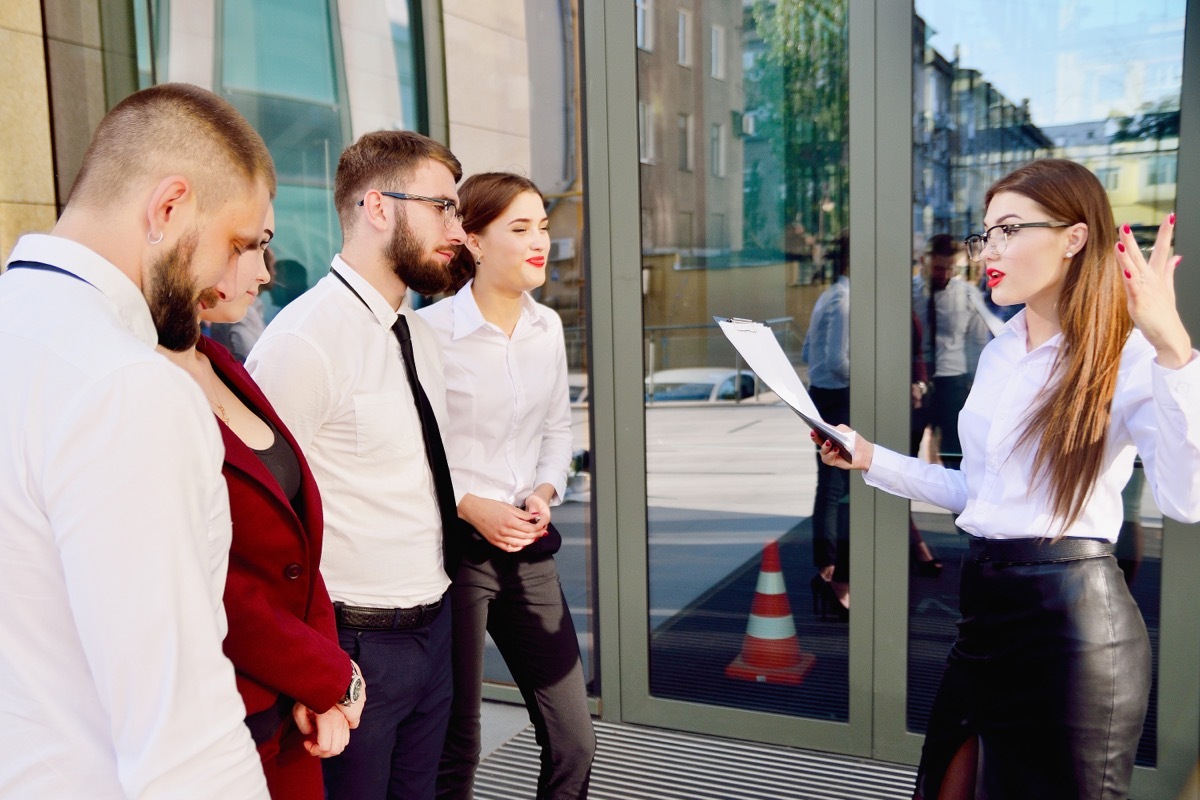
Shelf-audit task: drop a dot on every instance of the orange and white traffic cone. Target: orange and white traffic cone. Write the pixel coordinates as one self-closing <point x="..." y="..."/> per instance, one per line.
<point x="770" y="650"/>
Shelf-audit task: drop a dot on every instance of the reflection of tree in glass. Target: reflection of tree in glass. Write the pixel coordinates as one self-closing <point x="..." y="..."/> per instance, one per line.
<point x="797" y="90"/>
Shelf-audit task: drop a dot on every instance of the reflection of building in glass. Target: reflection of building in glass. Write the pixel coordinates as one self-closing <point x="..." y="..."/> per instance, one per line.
<point x="1134" y="157"/>
<point x="968" y="133"/>
<point x="691" y="131"/>
<point x="742" y="142"/>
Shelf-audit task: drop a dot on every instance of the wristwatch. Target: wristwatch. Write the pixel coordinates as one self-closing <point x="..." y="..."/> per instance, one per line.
<point x="354" y="691"/>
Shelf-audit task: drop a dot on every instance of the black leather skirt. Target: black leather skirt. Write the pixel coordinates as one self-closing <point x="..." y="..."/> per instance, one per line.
<point x="1051" y="671"/>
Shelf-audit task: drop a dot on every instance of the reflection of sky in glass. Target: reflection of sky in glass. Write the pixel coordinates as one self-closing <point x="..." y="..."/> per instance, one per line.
<point x="1075" y="60"/>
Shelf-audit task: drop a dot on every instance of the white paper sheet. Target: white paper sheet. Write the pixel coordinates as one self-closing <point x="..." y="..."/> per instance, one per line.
<point x="761" y="351"/>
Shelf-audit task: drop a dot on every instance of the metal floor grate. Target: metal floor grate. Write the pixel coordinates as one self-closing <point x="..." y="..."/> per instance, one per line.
<point x="638" y="763"/>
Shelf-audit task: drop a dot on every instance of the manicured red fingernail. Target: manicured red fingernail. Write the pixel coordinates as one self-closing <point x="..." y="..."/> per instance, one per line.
<point x="1120" y="247"/>
<point x="1128" y="274"/>
<point x="1126" y="228"/>
<point x="1171" y="219"/>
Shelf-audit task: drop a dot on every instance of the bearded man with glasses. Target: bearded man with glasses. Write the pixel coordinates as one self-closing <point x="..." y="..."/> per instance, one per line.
<point x="359" y="381"/>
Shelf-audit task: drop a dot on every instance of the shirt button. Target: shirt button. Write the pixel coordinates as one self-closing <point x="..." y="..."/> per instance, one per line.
<point x="293" y="571"/>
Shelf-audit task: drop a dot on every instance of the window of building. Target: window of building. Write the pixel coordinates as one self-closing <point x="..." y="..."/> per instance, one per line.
<point x="685" y="37"/>
<point x="645" y="24"/>
<point x="687" y="142"/>
<point x="717" y="52"/>
<point x="716" y="150"/>
<point x="1161" y="170"/>
<point x="645" y="133"/>
<point x="1110" y="177"/>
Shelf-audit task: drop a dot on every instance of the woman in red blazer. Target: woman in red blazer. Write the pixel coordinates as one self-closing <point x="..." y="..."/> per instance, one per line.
<point x="302" y="692"/>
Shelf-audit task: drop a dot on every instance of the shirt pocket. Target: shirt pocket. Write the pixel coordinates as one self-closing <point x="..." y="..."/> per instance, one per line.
<point x="382" y="427"/>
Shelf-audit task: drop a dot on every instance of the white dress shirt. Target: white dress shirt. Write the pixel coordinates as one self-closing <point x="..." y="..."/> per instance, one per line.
<point x="1155" y="413"/>
<point x="827" y="343"/>
<point x="962" y="332"/>
<point x="114" y="544"/>
<point x="509" y="428"/>
<point x="332" y="369"/>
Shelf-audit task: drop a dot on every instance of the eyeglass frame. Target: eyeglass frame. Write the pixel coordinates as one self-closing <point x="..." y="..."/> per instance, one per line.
<point x="1006" y="228"/>
<point x="450" y="213"/>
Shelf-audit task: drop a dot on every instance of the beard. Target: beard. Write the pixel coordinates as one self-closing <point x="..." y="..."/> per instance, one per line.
<point x="173" y="296"/>
<point x="420" y="273"/>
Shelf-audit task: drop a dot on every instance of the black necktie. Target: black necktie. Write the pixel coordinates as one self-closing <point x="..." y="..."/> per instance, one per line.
<point x="434" y="450"/>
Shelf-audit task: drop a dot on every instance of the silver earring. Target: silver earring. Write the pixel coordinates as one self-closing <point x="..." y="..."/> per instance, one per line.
<point x="1068" y="254"/>
<point x="154" y="241"/>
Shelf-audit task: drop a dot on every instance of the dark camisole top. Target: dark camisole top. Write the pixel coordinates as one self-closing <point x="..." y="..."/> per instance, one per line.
<point x="281" y="461"/>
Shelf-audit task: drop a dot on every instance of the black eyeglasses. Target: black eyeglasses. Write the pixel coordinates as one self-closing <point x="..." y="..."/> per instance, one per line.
<point x="996" y="237"/>
<point x="449" y="209"/>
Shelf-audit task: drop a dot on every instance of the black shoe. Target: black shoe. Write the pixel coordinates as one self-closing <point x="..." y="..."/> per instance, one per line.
<point x="825" y="601"/>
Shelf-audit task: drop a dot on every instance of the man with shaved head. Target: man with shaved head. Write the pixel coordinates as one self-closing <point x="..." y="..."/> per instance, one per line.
<point x="114" y="518"/>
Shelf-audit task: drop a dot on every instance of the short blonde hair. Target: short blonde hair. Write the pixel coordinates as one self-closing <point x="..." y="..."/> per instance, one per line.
<point x="172" y="128"/>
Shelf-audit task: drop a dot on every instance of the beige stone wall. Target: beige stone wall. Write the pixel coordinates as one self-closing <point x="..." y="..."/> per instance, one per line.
<point x="487" y="84"/>
<point x="27" y="200"/>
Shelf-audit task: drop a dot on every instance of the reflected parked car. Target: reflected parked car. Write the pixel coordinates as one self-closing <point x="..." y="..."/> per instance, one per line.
<point x="577" y="388"/>
<point x="699" y="384"/>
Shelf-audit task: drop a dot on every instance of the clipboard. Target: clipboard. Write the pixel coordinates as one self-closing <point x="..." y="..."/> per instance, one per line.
<point x="760" y="350"/>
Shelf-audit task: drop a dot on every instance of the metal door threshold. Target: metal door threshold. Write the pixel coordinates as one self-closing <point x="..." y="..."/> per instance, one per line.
<point x="640" y="763"/>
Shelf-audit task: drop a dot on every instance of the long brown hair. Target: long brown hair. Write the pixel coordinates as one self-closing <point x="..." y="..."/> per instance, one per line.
<point x="1068" y="428"/>
<point x="481" y="198"/>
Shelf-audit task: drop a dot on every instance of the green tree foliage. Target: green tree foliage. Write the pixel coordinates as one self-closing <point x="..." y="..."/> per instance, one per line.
<point x="798" y="91"/>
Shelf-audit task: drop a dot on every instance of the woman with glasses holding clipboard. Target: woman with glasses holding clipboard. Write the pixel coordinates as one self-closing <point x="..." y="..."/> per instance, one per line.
<point x="1046" y="687"/>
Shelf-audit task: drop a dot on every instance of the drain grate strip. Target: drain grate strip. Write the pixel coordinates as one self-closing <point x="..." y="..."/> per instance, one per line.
<point x="638" y="763"/>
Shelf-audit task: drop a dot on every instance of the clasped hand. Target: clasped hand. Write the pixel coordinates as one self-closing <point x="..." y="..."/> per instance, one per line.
<point x="504" y="525"/>
<point x="327" y="734"/>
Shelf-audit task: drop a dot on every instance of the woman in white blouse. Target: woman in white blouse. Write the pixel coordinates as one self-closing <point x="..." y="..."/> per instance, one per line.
<point x="508" y="441"/>
<point x="1046" y="687"/>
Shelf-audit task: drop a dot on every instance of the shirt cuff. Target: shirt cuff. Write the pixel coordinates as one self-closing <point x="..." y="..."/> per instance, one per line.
<point x="886" y="465"/>
<point x="1181" y="386"/>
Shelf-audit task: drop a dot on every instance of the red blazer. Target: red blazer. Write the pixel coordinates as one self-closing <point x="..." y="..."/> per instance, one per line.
<point x="282" y="635"/>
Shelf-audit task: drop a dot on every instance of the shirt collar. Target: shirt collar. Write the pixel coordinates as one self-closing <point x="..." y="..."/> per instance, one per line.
<point x="80" y="260"/>
<point x="1019" y="328"/>
<point x="468" y="318"/>
<point x="375" y="301"/>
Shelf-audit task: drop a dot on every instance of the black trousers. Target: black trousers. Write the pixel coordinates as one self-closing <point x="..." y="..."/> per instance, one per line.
<point x="394" y="751"/>
<point x="948" y="398"/>
<point x="1051" y="671"/>
<point x="521" y="604"/>
<point x="829" y="544"/>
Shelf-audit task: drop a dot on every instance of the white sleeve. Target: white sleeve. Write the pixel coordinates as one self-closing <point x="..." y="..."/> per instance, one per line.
<point x="915" y="479"/>
<point x="129" y="494"/>
<point x="555" y="456"/>
<point x="296" y="377"/>
<point x="1164" y="421"/>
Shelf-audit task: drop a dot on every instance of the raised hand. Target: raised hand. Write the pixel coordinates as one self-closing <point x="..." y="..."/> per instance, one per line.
<point x="1150" y="292"/>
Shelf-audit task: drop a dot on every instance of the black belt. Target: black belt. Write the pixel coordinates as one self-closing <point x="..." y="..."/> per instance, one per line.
<point x="382" y="619"/>
<point x="1005" y="552"/>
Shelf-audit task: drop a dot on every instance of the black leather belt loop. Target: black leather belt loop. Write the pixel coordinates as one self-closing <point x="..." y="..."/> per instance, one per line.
<point x="383" y="619"/>
<point x="1013" y="552"/>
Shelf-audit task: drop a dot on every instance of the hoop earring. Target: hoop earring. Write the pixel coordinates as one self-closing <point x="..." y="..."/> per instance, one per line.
<point x="154" y="241"/>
